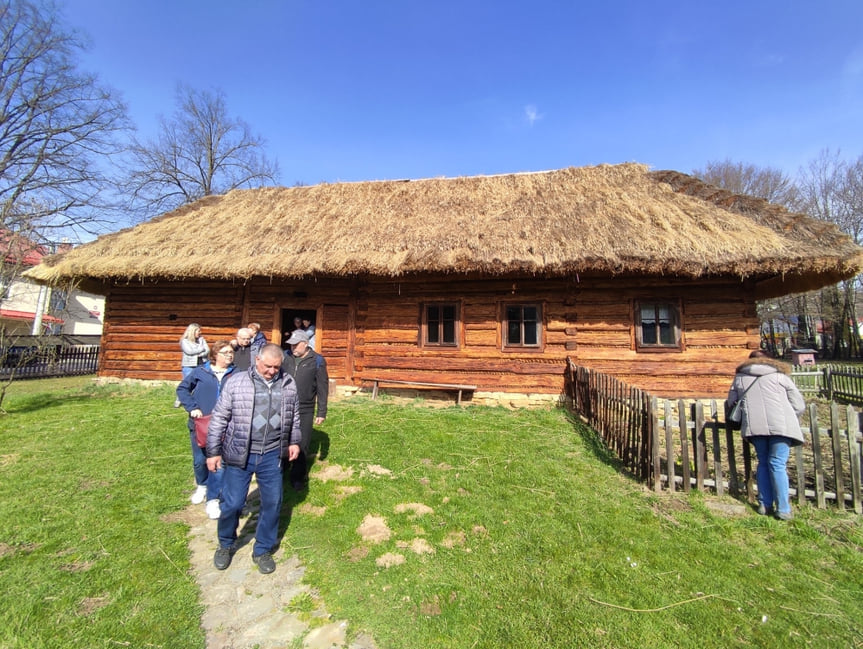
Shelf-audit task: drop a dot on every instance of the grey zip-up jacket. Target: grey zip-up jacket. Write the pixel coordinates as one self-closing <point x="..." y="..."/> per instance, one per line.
<point x="773" y="403"/>
<point x="230" y="431"/>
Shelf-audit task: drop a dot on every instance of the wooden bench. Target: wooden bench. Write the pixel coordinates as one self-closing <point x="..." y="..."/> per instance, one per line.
<point x="423" y="385"/>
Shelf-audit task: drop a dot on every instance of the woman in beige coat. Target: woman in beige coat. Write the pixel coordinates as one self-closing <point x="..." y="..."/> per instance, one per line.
<point x="770" y="408"/>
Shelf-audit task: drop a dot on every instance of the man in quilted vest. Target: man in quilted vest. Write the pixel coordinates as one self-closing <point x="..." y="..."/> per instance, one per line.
<point x="254" y="429"/>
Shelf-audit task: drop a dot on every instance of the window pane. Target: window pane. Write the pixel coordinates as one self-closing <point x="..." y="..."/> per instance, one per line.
<point x="648" y="325"/>
<point x="449" y="332"/>
<point x="432" y="332"/>
<point x="531" y="333"/>
<point x="531" y="314"/>
<point x="513" y="332"/>
<point x="448" y="312"/>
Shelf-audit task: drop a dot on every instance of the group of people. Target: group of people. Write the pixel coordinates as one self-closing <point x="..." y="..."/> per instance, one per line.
<point x="262" y="403"/>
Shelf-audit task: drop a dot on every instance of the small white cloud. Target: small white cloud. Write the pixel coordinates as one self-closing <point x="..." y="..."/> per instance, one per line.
<point x="532" y="114"/>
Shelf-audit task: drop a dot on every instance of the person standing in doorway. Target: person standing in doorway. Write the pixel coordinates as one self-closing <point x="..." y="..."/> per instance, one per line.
<point x="310" y="330"/>
<point x="309" y="369"/>
<point x="771" y="404"/>
<point x="254" y="427"/>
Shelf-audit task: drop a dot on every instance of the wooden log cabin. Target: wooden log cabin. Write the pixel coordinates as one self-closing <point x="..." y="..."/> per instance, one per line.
<point x="489" y="281"/>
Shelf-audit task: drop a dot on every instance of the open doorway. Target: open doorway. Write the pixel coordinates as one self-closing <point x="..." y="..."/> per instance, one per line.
<point x="293" y="319"/>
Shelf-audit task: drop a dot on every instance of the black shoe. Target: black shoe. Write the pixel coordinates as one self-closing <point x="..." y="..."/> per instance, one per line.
<point x="765" y="511"/>
<point x="299" y="485"/>
<point x="264" y="562"/>
<point x="222" y="558"/>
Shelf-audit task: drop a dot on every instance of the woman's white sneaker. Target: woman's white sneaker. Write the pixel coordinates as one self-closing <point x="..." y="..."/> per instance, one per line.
<point x="213" y="509"/>
<point x="199" y="494"/>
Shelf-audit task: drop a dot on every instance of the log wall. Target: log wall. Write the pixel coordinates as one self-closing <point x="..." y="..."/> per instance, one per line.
<point x="369" y="329"/>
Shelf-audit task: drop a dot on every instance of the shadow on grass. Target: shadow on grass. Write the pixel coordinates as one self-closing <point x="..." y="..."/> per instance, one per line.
<point x="593" y="442"/>
<point x="42" y="401"/>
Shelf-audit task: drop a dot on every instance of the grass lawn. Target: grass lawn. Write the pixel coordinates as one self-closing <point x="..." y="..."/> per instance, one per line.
<point x="455" y="527"/>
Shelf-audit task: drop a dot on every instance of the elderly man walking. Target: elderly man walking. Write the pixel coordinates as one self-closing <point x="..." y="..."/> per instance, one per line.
<point x="254" y="427"/>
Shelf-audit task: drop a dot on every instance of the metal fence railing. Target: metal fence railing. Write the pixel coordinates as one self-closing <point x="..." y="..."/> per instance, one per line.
<point x="50" y="361"/>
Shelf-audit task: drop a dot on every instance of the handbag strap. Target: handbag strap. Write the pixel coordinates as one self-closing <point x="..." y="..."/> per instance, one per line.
<point x="748" y="387"/>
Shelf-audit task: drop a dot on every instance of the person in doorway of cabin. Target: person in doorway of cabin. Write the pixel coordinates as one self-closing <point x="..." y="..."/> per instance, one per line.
<point x="198" y="393"/>
<point x="298" y="323"/>
<point x="259" y="339"/>
<point x="195" y="351"/>
<point x="771" y="405"/>
<point x="309" y="369"/>
<point x="254" y="427"/>
<point x="243" y="352"/>
<point x="310" y="330"/>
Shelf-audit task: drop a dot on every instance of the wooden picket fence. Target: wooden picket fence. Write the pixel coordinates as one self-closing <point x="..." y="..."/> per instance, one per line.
<point x="830" y="382"/>
<point x="687" y="443"/>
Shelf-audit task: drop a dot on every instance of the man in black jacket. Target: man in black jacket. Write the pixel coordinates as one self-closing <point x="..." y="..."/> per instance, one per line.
<point x="309" y="370"/>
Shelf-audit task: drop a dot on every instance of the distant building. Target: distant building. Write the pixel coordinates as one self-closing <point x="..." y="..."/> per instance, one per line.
<point x="27" y="308"/>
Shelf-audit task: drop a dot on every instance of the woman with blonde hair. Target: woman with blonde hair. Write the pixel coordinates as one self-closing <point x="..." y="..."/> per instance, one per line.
<point x="195" y="351"/>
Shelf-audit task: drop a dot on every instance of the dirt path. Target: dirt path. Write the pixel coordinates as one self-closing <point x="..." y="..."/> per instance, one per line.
<point x="248" y="610"/>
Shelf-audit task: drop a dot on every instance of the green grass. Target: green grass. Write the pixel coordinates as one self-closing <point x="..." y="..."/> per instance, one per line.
<point x="528" y="535"/>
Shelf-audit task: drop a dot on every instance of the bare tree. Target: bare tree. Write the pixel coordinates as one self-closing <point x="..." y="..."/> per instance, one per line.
<point x="57" y="124"/>
<point x="198" y="152"/>
<point x="831" y="189"/>
<point x="769" y="183"/>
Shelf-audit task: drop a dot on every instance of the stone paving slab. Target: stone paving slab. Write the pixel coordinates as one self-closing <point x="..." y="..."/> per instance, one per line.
<point x="248" y="610"/>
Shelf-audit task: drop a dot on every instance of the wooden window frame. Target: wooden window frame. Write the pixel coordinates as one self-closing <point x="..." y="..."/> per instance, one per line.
<point x="675" y="306"/>
<point x="457" y="326"/>
<point x="504" y="327"/>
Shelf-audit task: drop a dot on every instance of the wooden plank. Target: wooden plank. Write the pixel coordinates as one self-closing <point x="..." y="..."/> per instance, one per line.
<point x="684" y="444"/>
<point x="669" y="447"/>
<point x="854" y="455"/>
<point x="835" y="438"/>
<point x="717" y="451"/>
<point x="653" y="413"/>
<point x="815" y="433"/>
<point x="699" y="446"/>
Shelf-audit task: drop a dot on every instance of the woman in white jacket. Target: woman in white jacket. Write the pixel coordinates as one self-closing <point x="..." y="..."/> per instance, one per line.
<point x="771" y="404"/>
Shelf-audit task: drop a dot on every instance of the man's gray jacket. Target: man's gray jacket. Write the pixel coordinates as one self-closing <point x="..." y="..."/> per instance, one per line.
<point x="230" y="431"/>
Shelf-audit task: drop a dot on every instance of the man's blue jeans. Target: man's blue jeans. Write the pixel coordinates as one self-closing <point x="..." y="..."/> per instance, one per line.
<point x="772" y="479"/>
<point x="203" y="476"/>
<point x="267" y="469"/>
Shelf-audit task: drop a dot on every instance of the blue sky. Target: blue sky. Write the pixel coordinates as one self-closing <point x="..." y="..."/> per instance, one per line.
<point x="346" y="90"/>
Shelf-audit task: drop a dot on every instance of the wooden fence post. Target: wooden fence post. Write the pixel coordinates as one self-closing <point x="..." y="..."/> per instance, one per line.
<point x="835" y="435"/>
<point x="854" y="454"/>
<point x="815" y="434"/>
<point x="699" y="445"/>
<point x="669" y="447"/>
<point x="717" y="450"/>
<point x="653" y="418"/>
<point x="684" y="445"/>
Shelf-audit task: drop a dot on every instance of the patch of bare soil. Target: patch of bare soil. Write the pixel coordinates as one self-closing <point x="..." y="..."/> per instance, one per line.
<point x="417" y="546"/>
<point x="334" y="472"/>
<point x="357" y="553"/>
<point x="8" y="460"/>
<point x="182" y="516"/>
<point x="90" y="605"/>
<point x="311" y="510"/>
<point x="374" y="529"/>
<point x="77" y="566"/>
<point x="418" y="509"/>
<point x="389" y="560"/>
<point x="377" y="469"/>
<point x="344" y="491"/>
<point x="453" y="539"/>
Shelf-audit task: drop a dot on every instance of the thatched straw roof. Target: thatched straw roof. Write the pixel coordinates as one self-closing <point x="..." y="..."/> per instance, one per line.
<point x="606" y="219"/>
